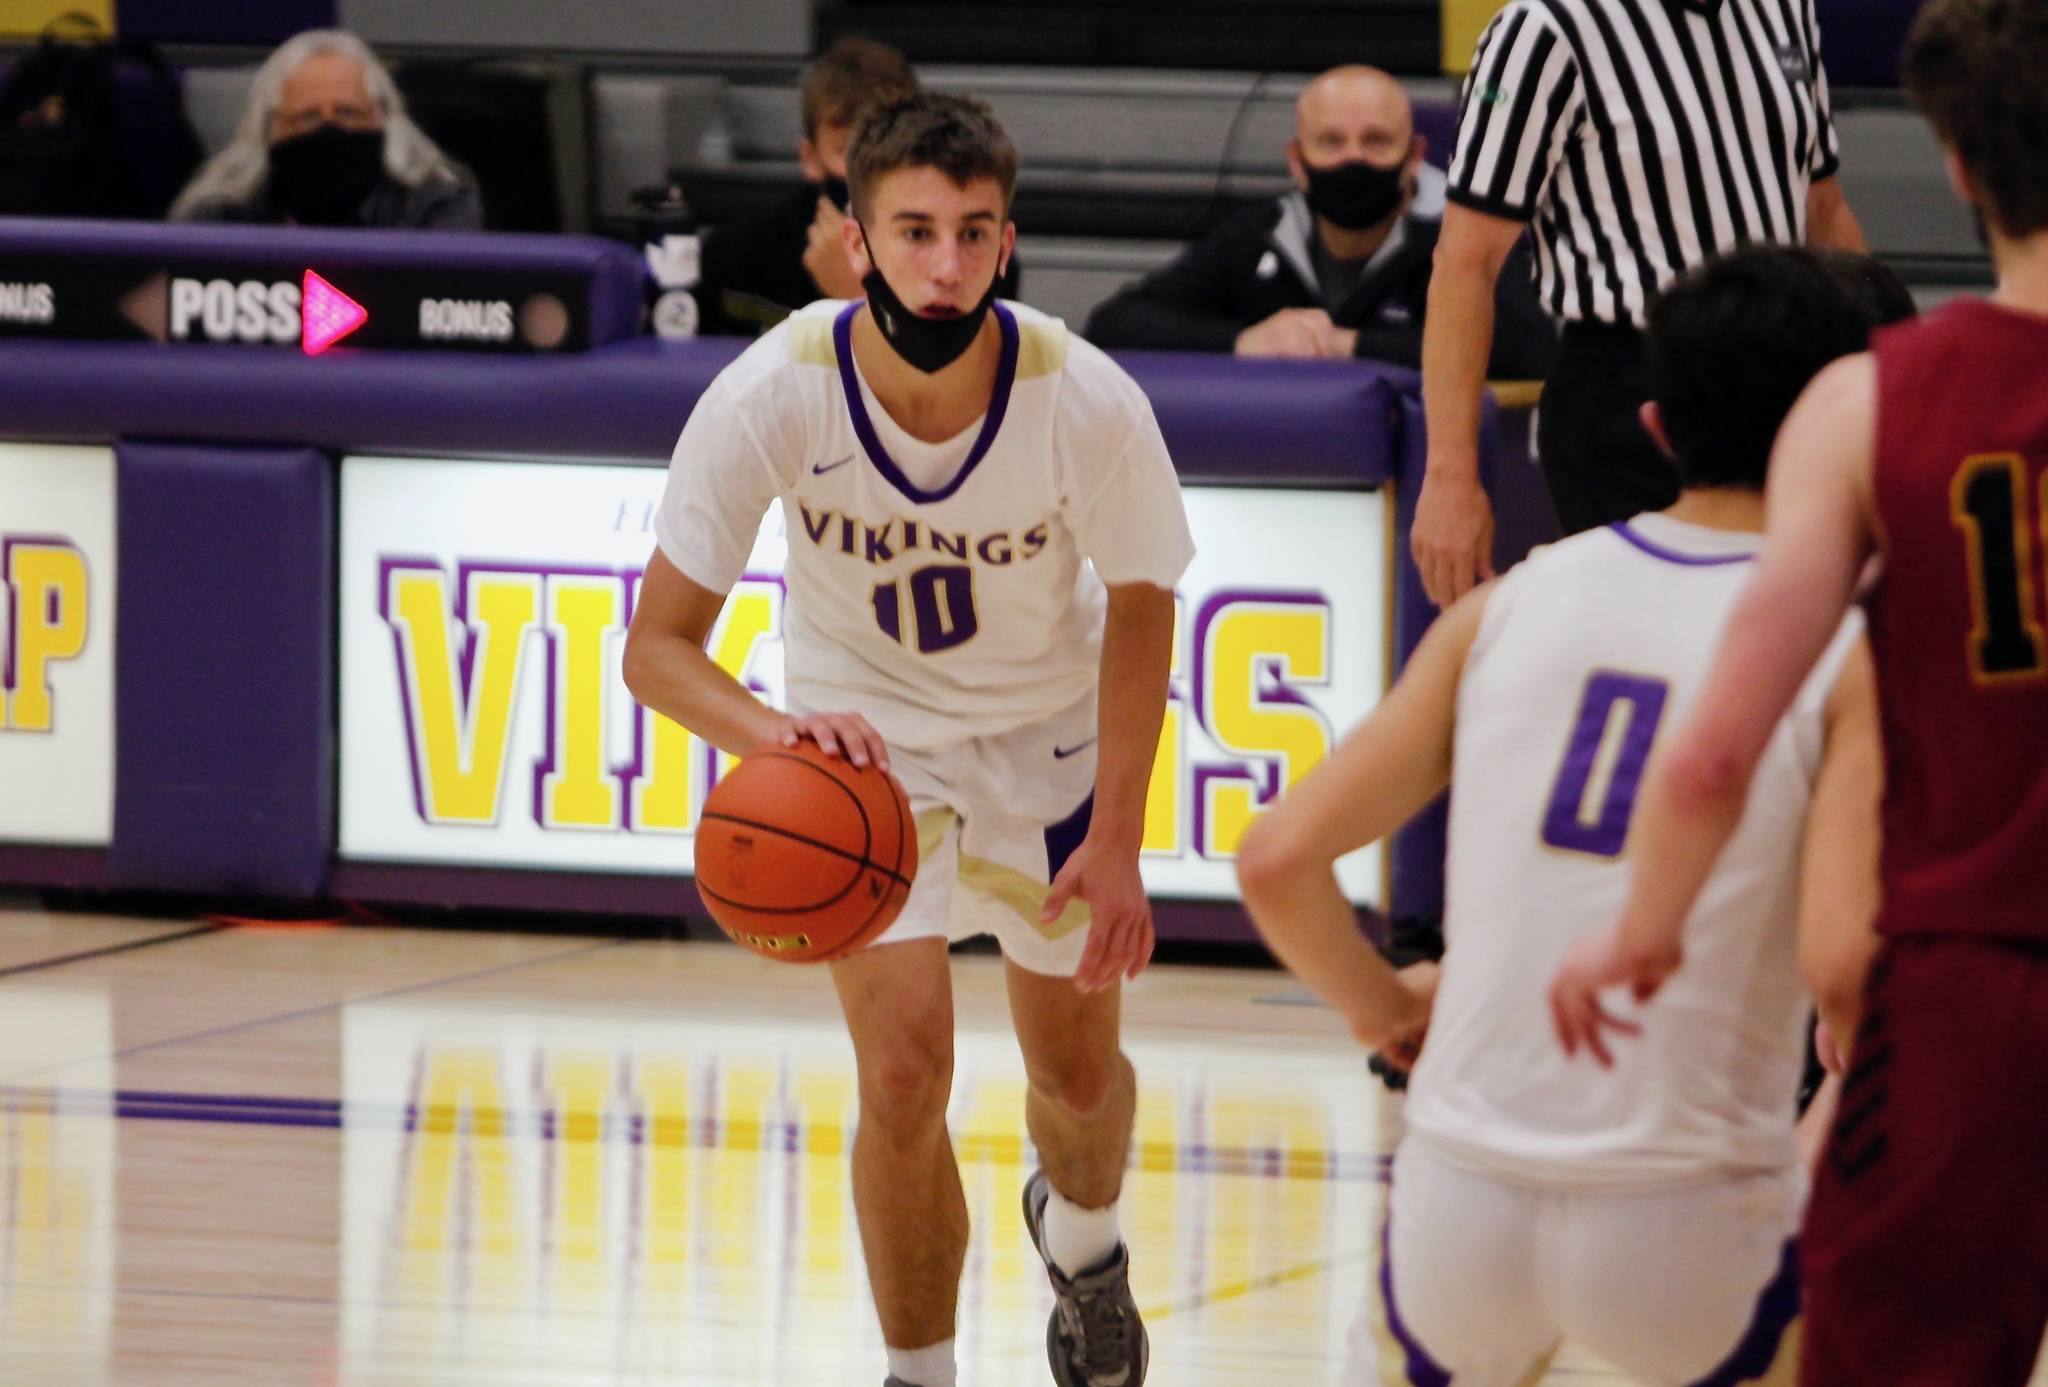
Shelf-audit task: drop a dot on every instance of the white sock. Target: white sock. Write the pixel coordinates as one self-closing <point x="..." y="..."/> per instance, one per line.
<point x="931" y="1366"/>
<point x="1078" y="1239"/>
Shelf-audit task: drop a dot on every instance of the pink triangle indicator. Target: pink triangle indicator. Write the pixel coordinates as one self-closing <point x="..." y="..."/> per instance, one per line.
<point x="326" y="315"/>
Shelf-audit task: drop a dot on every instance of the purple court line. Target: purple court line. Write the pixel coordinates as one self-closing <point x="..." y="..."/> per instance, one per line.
<point x="1194" y="1158"/>
<point x="303" y="1012"/>
<point x="59" y="960"/>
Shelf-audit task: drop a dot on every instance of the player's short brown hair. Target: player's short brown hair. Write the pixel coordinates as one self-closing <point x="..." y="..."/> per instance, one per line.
<point x="957" y="135"/>
<point x="1978" y="70"/>
<point x="850" y="77"/>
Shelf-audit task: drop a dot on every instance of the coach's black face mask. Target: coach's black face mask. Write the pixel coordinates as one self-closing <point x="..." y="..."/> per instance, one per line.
<point x="834" y="190"/>
<point x="929" y="344"/>
<point x="1355" y="195"/>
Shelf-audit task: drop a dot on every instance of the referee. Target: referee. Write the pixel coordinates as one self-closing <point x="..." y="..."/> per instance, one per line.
<point x="1635" y="138"/>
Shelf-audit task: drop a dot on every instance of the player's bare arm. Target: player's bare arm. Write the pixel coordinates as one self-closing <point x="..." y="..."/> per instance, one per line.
<point x="1452" y="539"/>
<point x="1137" y="648"/>
<point x="667" y="669"/>
<point x="1838" y="886"/>
<point x="1817" y="538"/>
<point x="1384" y="772"/>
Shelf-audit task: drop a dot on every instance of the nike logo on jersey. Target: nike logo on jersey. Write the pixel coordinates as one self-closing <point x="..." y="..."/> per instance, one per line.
<point x="819" y="469"/>
<point x="1061" y="753"/>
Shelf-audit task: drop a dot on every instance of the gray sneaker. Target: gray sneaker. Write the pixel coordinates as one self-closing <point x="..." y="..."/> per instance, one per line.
<point x="1094" y="1338"/>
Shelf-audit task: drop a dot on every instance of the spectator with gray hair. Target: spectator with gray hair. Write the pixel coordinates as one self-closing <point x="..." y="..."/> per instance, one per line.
<point x="325" y="141"/>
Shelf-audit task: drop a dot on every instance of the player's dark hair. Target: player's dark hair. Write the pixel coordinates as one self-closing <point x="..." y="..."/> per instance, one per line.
<point x="1733" y="343"/>
<point x="1874" y="285"/>
<point x="1978" y="70"/>
<point x="848" y="78"/>
<point x="957" y="135"/>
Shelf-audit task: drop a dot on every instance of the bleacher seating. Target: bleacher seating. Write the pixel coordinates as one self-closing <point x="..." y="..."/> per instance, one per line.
<point x="1121" y="166"/>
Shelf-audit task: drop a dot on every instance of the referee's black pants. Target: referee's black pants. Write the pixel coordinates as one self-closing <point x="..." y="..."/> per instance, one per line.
<point x="1598" y="462"/>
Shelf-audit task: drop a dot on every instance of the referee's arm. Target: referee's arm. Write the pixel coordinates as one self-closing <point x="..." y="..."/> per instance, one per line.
<point x="1452" y="538"/>
<point x="1524" y="88"/>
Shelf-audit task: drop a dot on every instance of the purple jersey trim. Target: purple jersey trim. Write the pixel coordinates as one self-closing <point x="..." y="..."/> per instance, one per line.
<point x="864" y="427"/>
<point x="1658" y="551"/>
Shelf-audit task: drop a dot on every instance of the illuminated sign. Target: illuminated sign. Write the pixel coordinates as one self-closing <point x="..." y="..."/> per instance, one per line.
<point x="283" y="305"/>
<point x="56" y="644"/>
<point x="484" y="721"/>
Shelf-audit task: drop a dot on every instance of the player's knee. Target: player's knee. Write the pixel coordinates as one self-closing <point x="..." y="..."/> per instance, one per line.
<point x="1081" y="1085"/>
<point x="907" y="1085"/>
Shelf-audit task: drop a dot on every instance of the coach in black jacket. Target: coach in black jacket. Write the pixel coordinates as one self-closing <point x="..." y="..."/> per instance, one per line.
<point x="1339" y="267"/>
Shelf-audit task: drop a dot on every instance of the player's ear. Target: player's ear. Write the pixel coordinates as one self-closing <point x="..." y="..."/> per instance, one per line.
<point x="1009" y="249"/>
<point x="855" y="237"/>
<point x="1653" y="425"/>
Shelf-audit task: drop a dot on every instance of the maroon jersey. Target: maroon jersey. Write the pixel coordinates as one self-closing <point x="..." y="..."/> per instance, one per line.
<point x="1957" y="624"/>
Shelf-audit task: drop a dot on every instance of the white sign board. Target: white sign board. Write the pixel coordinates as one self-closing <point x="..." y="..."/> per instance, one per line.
<point x="484" y="721"/>
<point x="56" y="644"/>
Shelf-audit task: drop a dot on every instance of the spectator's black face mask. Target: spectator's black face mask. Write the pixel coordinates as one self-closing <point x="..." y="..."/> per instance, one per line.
<point x="929" y="344"/>
<point x="1356" y="195"/>
<point x="835" y="191"/>
<point x="322" y="177"/>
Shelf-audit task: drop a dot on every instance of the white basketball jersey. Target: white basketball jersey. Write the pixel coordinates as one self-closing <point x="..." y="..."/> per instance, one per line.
<point x="948" y="590"/>
<point x="1587" y="654"/>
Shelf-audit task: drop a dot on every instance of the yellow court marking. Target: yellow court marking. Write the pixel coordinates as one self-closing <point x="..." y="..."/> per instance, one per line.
<point x="1237" y="1290"/>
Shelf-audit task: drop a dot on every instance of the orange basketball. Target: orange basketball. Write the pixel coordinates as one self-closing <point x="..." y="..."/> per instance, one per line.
<point x="802" y="857"/>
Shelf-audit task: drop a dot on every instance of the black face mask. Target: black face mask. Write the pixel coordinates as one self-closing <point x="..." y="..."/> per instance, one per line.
<point x="321" y="178"/>
<point x="1356" y="195"/>
<point x="929" y="344"/>
<point x="835" y="191"/>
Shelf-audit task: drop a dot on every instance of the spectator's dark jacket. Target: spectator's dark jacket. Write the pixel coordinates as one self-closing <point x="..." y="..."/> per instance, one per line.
<point x="753" y="273"/>
<point x="435" y="205"/>
<point x="1253" y="266"/>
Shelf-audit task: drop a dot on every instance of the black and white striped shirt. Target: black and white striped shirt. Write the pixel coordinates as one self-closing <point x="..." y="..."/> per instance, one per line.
<point x="1642" y="136"/>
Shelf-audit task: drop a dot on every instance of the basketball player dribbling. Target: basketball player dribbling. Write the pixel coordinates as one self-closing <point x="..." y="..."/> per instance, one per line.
<point x="1649" y="1217"/>
<point x="984" y="534"/>
<point x="1927" y="1240"/>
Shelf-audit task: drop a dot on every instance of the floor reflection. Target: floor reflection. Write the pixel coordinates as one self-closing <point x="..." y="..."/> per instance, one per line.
<point x="565" y="1198"/>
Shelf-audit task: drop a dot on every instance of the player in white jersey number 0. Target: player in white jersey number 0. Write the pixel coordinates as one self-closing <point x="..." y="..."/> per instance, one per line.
<point x="1648" y="1214"/>
<point x="984" y="535"/>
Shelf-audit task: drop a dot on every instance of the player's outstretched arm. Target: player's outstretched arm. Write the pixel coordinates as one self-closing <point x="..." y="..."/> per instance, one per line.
<point x="1838" y="875"/>
<point x="1381" y="775"/>
<point x="668" y="670"/>
<point x="1816" y="539"/>
<point x="1137" y="653"/>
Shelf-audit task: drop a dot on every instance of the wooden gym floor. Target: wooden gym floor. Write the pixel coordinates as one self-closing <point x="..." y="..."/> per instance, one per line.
<point x="371" y="1155"/>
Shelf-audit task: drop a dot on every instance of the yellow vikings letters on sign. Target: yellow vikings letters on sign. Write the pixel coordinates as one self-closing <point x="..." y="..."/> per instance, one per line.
<point x="1283" y="638"/>
<point x="485" y="719"/>
<point x="45" y="600"/>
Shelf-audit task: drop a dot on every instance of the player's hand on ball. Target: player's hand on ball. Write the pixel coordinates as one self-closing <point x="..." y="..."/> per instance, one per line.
<point x="1605" y="958"/>
<point x="1120" y="929"/>
<point x="838" y="734"/>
